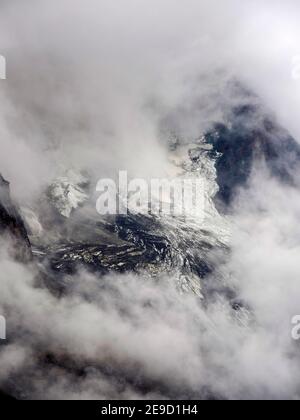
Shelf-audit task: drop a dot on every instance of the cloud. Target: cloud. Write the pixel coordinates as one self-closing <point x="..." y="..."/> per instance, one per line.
<point x="89" y="84"/>
<point x="134" y="337"/>
<point x="129" y="326"/>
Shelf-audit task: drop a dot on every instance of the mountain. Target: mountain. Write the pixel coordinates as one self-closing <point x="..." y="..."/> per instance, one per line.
<point x="67" y="233"/>
<point x="68" y="192"/>
<point x="151" y="243"/>
<point x="182" y="247"/>
<point x="12" y="225"/>
<point x="5" y="397"/>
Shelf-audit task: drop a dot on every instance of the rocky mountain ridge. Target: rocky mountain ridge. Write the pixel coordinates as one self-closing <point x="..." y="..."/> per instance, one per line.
<point x="12" y="224"/>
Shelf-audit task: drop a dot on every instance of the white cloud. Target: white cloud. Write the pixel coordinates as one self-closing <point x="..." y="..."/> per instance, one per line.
<point x="88" y="85"/>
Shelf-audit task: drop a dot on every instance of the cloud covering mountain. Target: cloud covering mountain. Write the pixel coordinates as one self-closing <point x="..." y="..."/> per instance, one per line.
<point x="98" y="86"/>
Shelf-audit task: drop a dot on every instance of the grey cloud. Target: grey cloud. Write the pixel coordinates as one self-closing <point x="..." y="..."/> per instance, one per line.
<point x="89" y="84"/>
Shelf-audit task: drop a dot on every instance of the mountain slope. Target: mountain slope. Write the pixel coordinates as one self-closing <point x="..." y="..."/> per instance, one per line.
<point x="12" y="225"/>
<point x="251" y="135"/>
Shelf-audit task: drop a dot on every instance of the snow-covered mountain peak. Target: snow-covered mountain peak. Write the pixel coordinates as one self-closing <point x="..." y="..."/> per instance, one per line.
<point x="68" y="192"/>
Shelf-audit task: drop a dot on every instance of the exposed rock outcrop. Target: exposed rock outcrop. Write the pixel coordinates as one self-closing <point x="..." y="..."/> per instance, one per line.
<point x="251" y="136"/>
<point x="12" y="225"/>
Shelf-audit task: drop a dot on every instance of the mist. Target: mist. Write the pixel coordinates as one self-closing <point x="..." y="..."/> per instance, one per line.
<point x="89" y="83"/>
<point x="94" y="85"/>
<point x="124" y="331"/>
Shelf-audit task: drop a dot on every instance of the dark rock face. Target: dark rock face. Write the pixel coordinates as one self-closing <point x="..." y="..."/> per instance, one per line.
<point x="12" y="225"/>
<point x="147" y="246"/>
<point x="251" y="136"/>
